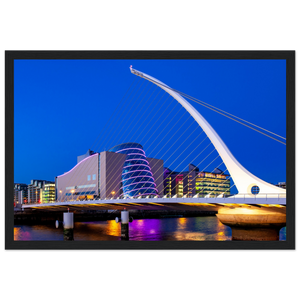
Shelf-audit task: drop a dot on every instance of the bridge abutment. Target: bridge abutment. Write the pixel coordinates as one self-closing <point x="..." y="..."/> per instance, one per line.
<point x="253" y="224"/>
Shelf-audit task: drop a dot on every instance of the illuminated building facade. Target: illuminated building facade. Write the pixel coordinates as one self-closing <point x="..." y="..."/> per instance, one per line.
<point x="82" y="181"/>
<point x="212" y="183"/>
<point x="20" y="193"/>
<point x="48" y="193"/>
<point x="193" y="182"/>
<point x="123" y="171"/>
<point x="175" y="183"/>
<point x="40" y="191"/>
<point x="137" y="177"/>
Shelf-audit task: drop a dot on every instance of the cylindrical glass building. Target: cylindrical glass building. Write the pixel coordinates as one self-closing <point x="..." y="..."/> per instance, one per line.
<point x="137" y="178"/>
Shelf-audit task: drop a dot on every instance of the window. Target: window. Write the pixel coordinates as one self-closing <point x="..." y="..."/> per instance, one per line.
<point x="89" y="177"/>
<point x="255" y="190"/>
<point x="94" y="176"/>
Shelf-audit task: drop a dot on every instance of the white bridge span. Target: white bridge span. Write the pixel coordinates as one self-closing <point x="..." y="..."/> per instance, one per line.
<point x="164" y="203"/>
<point x="243" y="179"/>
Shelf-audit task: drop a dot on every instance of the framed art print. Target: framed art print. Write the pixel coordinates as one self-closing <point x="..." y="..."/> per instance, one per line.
<point x="150" y="150"/>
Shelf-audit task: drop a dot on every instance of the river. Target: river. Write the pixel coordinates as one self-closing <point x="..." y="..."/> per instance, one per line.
<point x="168" y="229"/>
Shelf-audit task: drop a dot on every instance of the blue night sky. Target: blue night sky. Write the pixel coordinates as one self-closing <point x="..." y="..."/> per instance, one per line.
<point x="62" y="107"/>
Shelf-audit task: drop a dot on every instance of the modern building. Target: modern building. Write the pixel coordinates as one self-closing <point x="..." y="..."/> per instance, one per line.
<point x="20" y="193"/>
<point x="192" y="182"/>
<point x="281" y="184"/>
<point x="212" y="183"/>
<point x="41" y="191"/>
<point x="137" y="177"/>
<point x="123" y="171"/>
<point x="48" y="193"/>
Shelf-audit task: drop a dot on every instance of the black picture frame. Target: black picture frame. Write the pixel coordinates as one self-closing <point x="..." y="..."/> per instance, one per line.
<point x="9" y="54"/>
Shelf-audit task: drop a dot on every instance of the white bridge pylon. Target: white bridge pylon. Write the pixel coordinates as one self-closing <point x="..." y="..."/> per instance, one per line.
<point x="243" y="179"/>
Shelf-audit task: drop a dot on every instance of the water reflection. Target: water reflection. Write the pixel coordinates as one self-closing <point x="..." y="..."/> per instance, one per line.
<point x="37" y="233"/>
<point x="179" y="229"/>
<point x="113" y="228"/>
<point x="182" y="223"/>
<point x="169" y="229"/>
<point x="223" y="231"/>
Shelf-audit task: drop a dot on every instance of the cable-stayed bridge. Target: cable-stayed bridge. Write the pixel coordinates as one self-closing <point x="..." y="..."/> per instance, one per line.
<point x="251" y="189"/>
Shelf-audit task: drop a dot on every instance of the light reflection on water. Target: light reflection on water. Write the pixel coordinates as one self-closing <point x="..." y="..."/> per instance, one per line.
<point x="168" y="229"/>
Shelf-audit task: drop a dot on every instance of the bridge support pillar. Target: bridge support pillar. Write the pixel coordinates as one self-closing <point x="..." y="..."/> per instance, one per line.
<point x="125" y="225"/>
<point x="253" y="224"/>
<point x="68" y="226"/>
<point x="125" y="219"/>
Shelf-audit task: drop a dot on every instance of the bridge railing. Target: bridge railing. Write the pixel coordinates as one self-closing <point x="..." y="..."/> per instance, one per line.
<point x="194" y="196"/>
<point x="269" y="195"/>
<point x="265" y="198"/>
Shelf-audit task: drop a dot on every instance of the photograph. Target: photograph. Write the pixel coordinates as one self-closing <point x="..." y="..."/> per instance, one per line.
<point x="150" y="149"/>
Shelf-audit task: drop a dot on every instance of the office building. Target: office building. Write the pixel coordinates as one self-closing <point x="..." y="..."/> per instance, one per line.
<point x="20" y="193"/>
<point x="192" y="182"/>
<point x="48" y="192"/>
<point x="40" y="191"/>
<point x="124" y="171"/>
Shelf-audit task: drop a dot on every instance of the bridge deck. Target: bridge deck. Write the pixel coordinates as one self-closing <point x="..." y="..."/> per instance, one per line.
<point x="160" y="203"/>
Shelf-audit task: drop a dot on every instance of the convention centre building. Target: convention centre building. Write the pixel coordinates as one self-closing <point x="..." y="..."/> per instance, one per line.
<point x="124" y="171"/>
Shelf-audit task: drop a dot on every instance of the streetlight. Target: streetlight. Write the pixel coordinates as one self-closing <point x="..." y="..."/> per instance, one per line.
<point x="60" y="195"/>
<point x="72" y="194"/>
<point x="113" y="193"/>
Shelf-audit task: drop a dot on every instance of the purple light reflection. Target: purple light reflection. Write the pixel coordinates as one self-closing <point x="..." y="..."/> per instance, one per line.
<point x="149" y="227"/>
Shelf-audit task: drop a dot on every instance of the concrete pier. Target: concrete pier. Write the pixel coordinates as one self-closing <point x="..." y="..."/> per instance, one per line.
<point x="253" y="224"/>
<point x="124" y="225"/>
<point x="68" y="226"/>
<point x="125" y="219"/>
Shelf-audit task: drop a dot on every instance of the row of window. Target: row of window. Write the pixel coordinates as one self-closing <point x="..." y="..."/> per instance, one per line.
<point x="211" y="187"/>
<point x="213" y="184"/>
<point x="80" y="186"/>
<point x="134" y="186"/>
<point x="209" y="180"/>
<point x="135" y="162"/>
<point x="81" y="193"/>
<point x="139" y="167"/>
<point x="138" y="179"/>
<point x="134" y="173"/>
<point x="139" y="192"/>
<point x="89" y="177"/>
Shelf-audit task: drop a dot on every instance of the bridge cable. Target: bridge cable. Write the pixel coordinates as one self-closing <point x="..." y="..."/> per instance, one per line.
<point x="200" y="101"/>
<point x="216" y="110"/>
<point x="243" y="124"/>
<point x="113" y="114"/>
<point x="89" y="163"/>
<point x="157" y="136"/>
<point x="130" y="119"/>
<point x="211" y="106"/>
<point x="173" y="144"/>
